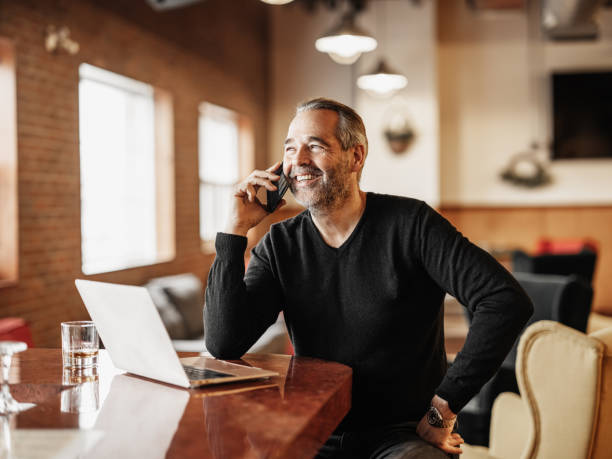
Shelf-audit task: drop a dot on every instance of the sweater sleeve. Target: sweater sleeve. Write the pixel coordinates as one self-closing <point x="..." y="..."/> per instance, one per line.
<point x="238" y="308"/>
<point x="499" y="305"/>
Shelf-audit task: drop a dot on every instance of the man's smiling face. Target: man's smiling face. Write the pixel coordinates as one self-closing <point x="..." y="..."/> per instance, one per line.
<point x="318" y="170"/>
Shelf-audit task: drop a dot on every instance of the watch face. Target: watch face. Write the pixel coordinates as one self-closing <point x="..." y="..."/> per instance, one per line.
<point x="434" y="418"/>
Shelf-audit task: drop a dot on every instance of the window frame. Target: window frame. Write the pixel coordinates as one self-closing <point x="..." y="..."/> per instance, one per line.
<point x="246" y="157"/>
<point x="164" y="185"/>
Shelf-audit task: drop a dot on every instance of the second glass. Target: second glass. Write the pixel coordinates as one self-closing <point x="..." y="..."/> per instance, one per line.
<point x="80" y="344"/>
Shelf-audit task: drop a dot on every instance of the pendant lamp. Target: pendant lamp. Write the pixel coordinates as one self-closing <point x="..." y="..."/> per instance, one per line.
<point x="382" y="81"/>
<point x="345" y="42"/>
<point x="277" y="2"/>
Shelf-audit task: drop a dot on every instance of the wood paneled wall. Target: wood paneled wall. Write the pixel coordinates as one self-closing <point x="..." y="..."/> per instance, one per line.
<point x="232" y="75"/>
<point x="521" y="227"/>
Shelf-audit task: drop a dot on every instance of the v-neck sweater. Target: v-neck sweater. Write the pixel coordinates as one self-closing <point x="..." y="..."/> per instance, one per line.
<point x="375" y="304"/>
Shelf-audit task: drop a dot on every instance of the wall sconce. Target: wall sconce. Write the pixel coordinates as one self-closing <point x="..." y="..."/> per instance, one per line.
<point x="60" y="40"/>
<point x="345" y="42"/>
<point x="527" y="169"/>
<point x="397" y="127"/>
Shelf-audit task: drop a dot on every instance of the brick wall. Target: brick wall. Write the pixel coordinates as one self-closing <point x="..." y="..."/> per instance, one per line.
<point x="47" y="124"/>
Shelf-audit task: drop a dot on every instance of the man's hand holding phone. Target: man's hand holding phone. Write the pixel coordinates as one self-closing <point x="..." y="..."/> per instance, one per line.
<point x="247" y="210"/>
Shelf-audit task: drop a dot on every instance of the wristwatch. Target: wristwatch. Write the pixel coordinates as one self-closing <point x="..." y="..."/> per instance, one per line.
<point x="435" y="419"/>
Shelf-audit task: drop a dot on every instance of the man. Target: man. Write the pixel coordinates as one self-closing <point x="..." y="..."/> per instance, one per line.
<point x="361" y="279"/>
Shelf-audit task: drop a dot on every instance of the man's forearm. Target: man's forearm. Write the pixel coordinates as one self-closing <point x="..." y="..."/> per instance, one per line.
<point x="234" y="316"/>
<point x="495" y="326"/>
<point x="226" y="314"/>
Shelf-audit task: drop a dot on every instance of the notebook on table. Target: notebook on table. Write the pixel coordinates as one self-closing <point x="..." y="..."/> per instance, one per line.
<point x="137" y="341"/>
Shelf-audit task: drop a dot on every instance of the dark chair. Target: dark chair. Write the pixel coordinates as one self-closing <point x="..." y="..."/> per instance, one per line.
<point x="581" y="263"/>
<point x="564" y="299"/>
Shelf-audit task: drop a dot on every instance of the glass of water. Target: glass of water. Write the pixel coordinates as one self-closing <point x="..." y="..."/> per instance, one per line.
<point x="80" y="344"/>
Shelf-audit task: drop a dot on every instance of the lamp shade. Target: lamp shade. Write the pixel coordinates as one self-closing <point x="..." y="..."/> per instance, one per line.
<point x="345" y="42"/>
<point x="277" y="2"/>
<point x="383" y="81"/>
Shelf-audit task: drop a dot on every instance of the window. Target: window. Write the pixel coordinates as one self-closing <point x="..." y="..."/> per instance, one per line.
<point x="127" y="215"/>
<point x="8" y="166"/>
<point x="225" y="156"/>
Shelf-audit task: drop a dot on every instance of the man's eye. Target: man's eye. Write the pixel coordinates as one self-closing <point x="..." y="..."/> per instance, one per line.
<point x="289" y="150"/>
<point x="316" y="147"/>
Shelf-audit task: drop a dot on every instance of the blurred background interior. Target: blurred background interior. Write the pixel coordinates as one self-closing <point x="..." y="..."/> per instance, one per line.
<point x="124" y="126"/>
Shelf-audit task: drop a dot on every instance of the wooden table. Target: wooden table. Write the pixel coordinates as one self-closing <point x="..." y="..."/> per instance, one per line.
<point x="289" y="416"/>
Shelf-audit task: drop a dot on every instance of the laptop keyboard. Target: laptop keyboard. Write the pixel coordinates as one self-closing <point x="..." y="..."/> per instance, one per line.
<point x="195" y="373"/>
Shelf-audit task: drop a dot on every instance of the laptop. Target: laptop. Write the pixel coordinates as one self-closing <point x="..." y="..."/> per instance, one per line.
<point x="137" y="341"/>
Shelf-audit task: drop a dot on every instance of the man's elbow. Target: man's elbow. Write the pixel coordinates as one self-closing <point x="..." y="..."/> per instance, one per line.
<point x="223" y="350"/>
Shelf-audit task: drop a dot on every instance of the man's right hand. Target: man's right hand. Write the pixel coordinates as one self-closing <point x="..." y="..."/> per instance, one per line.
<point x="247" y="211"/>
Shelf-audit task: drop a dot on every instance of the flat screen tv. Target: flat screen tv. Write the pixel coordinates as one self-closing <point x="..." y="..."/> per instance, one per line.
<point x="582" y="115"/>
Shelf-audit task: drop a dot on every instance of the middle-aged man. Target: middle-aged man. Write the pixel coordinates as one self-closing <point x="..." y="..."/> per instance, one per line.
<point x="361" y="279"/>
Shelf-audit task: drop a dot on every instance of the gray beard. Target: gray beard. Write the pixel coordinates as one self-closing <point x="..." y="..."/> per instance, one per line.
<point x="330" y="194"/>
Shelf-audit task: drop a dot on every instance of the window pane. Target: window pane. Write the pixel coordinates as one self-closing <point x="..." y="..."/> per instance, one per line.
<point x="215" y="201"/>
<point x="218" y="149"/>
<point x="117" y="173"/>
<point x="219" y="166"/>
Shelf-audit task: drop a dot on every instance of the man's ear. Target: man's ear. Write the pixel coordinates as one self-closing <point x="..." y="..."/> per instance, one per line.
<point x="358" y="158"/>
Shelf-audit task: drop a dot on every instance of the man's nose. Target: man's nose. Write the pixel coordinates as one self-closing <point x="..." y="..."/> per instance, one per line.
<point x="302" y="156"/>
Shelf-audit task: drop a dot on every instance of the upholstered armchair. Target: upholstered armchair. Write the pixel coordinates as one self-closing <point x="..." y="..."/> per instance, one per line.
<point x="565" y="407"/>
<point x="565" y="299"/>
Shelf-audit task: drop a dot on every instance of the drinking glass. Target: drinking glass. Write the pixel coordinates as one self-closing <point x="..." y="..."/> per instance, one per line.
<point x="79" y="344"/>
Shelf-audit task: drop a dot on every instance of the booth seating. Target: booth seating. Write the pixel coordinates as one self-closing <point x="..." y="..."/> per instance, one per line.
<point x="564" y="299"/>
<point x="180" y="301"/>
<point x="565" y="407"/>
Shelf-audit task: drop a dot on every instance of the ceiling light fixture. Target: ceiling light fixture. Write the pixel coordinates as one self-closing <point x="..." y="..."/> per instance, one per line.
<point x="277" y="2"/>
<point x="345" y="42"/>
<point x="382" y="81"/>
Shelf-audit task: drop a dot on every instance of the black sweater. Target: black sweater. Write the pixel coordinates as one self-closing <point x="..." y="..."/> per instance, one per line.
<point x="375" y="304"/>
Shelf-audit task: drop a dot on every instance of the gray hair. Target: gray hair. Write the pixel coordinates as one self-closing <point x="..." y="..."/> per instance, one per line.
<point x="350" y="130"/>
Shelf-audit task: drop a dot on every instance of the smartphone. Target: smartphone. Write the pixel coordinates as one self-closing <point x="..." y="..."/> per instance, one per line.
<point x="273" y="198"/>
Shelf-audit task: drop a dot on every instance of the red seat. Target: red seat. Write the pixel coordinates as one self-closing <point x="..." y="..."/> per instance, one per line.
<point x="15" y="329"/>
<point x="564" y="246"/>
